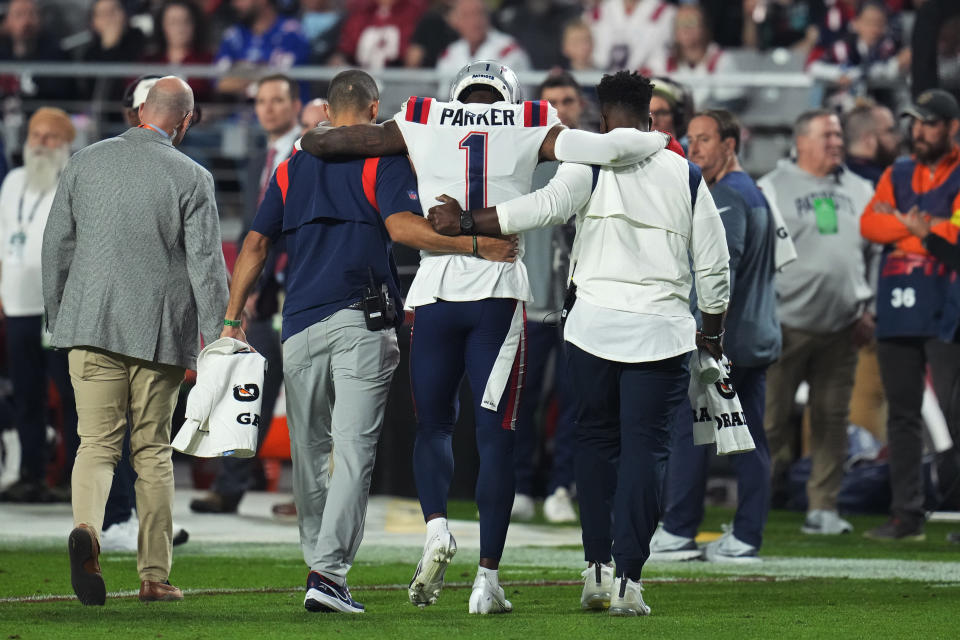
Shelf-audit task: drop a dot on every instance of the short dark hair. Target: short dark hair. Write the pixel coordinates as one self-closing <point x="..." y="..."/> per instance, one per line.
<point x="802" y="124"/>
<point x="559" y="79"/>
<point x="352" y="90"/>
<point x="627" y="90"/>
<point x="727" y="125"/>
<point x="292" y="87"/>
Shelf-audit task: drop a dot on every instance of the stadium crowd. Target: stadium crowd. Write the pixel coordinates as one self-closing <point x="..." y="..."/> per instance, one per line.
<point x="842" y="319"/>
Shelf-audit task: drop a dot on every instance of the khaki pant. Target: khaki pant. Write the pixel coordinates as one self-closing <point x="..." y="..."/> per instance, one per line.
<point x="827" y="362"/>
<point x="868" y="405"/>
<point x="107" y="386"/>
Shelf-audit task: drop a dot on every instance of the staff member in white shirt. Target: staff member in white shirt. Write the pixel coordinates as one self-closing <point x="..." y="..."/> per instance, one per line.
<point x="25" y="200"/>
<point x="630" y="330"/>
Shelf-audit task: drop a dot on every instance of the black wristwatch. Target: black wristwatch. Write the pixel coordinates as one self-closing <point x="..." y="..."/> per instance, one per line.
<point x="466" y="223"/>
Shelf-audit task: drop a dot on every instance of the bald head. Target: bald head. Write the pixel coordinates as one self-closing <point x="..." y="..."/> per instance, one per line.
<point x="169" y="103"/>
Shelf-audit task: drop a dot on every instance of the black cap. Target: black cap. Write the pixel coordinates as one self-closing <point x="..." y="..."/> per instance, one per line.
<point x="934" y="105"/>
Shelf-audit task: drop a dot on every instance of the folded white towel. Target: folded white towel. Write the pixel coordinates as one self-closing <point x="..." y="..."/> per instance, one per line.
<point x="223" y="409"/>
<point x="717" y="414"/>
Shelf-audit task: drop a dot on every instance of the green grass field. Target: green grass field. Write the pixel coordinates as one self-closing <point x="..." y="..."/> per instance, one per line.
<point x="899" y="590"/>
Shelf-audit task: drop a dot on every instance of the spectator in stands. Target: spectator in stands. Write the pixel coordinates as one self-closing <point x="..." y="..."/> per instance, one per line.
<point x="916" y="327"/>
<point x="313" y="114"/>
<point x="431" y="37"/>
<point x="694" y="52"/>
<point x="539" y="24"/>
<point x="478" y="41"/>
<point x="752" y="342"/>
<point x="671" y="107"/>
<point x="543" y="250"/>
<point x="770" y="24"/>
<point x="277" y="107"/>
<point x="180" y="38"/>
<point x="376" y="33"/>
<point x="23" y="38"/>
<point x="630" y="34"/>
<point x="868" y="52"/>
<point x="25" y="199"/>
<point x="578" y="46"/>
<point x="114" y="40"/>
<point x="261" y="39"/>
<point x="321" y="21"/>
<point x="872" y="140"/>
<point x="823" y="302"/>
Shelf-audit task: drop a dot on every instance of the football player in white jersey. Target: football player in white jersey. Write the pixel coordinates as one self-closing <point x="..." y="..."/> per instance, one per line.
<point x="481" y="146"/>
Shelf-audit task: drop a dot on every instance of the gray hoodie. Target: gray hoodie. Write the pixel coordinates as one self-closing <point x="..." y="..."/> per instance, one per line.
<point x="826" y="288"/>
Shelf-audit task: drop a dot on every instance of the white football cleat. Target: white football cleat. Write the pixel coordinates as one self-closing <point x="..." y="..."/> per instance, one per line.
<point x="729" y="548"/>
<point x="488" y="596"/>
<point x="597" y="587"/>
<point x="121" y="536"/>
<point x="523" y="508"/>
<point x="627" y="600"/>
<point x="823" y="522"/>
<point x="428" y="580"/>
<point x="665" y="546"/>
<point x="558" y="507"/>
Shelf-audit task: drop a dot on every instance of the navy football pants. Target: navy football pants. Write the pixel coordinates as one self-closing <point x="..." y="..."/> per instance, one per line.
<point x="448" y="340"/>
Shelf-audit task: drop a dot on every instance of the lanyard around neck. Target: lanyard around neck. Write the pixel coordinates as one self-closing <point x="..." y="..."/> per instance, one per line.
<point x="33" y="211"/>
<point x="153" y="128"/>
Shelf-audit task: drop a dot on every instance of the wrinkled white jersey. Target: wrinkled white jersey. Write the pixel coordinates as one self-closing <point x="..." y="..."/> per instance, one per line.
<point x="482" y="155"/>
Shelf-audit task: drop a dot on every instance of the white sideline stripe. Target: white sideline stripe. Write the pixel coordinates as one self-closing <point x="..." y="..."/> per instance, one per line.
<point x="375" y="587"/>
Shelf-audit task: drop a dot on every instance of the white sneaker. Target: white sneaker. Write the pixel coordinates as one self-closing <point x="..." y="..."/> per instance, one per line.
<point x="428" y="580"/>
<point x="597" y="587"/>
<point x="665" y="546"/>
<point x="823" y="522"/>
<point x="523" y="508"/>
<point x="728" y="548"/>
<point x="121" y="536"/>
<point x="558" y="507"/>
<point x="487" y="596"/>
<point x="627" y="599"/>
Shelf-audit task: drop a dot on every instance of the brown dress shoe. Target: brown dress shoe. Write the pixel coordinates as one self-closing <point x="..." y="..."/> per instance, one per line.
<point x="151" y="591"/>
<point x="215" y="503"/>
<point x="85" y="566"/>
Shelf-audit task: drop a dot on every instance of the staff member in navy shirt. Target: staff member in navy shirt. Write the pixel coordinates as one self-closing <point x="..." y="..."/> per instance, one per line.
<point x="339" y="221"/>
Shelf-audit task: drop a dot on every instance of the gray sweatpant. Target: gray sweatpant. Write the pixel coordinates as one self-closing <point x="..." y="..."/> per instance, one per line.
<point x="337" y="375"/>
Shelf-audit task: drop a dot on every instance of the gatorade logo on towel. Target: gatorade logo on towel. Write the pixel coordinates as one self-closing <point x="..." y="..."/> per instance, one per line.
<point x="246" y="392"/>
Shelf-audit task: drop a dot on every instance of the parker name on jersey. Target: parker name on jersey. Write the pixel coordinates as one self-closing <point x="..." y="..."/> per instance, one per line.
<point x="482" y="155"/>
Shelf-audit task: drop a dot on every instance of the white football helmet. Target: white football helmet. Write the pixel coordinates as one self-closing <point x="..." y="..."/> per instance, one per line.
<point x="491" y="73"/>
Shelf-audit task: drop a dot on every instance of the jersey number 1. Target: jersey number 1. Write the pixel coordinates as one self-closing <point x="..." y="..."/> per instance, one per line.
<point x="475" y="144"/>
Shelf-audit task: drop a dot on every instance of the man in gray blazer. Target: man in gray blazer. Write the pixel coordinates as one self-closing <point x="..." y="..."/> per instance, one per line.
<point x="132" y="271"/>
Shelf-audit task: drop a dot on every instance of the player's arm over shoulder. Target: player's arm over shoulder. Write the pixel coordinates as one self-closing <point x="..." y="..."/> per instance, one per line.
<point x="366" y="140"/>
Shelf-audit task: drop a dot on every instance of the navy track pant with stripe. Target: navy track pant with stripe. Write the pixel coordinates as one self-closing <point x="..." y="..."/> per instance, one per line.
<point x="448" y="340"/>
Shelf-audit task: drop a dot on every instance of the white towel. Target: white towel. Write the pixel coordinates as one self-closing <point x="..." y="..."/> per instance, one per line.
<point x="223" y="409"/>
<point x="717" y="414"/>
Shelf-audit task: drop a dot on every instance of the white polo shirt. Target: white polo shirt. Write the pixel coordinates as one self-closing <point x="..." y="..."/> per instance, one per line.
<point x="636" y="232"/>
